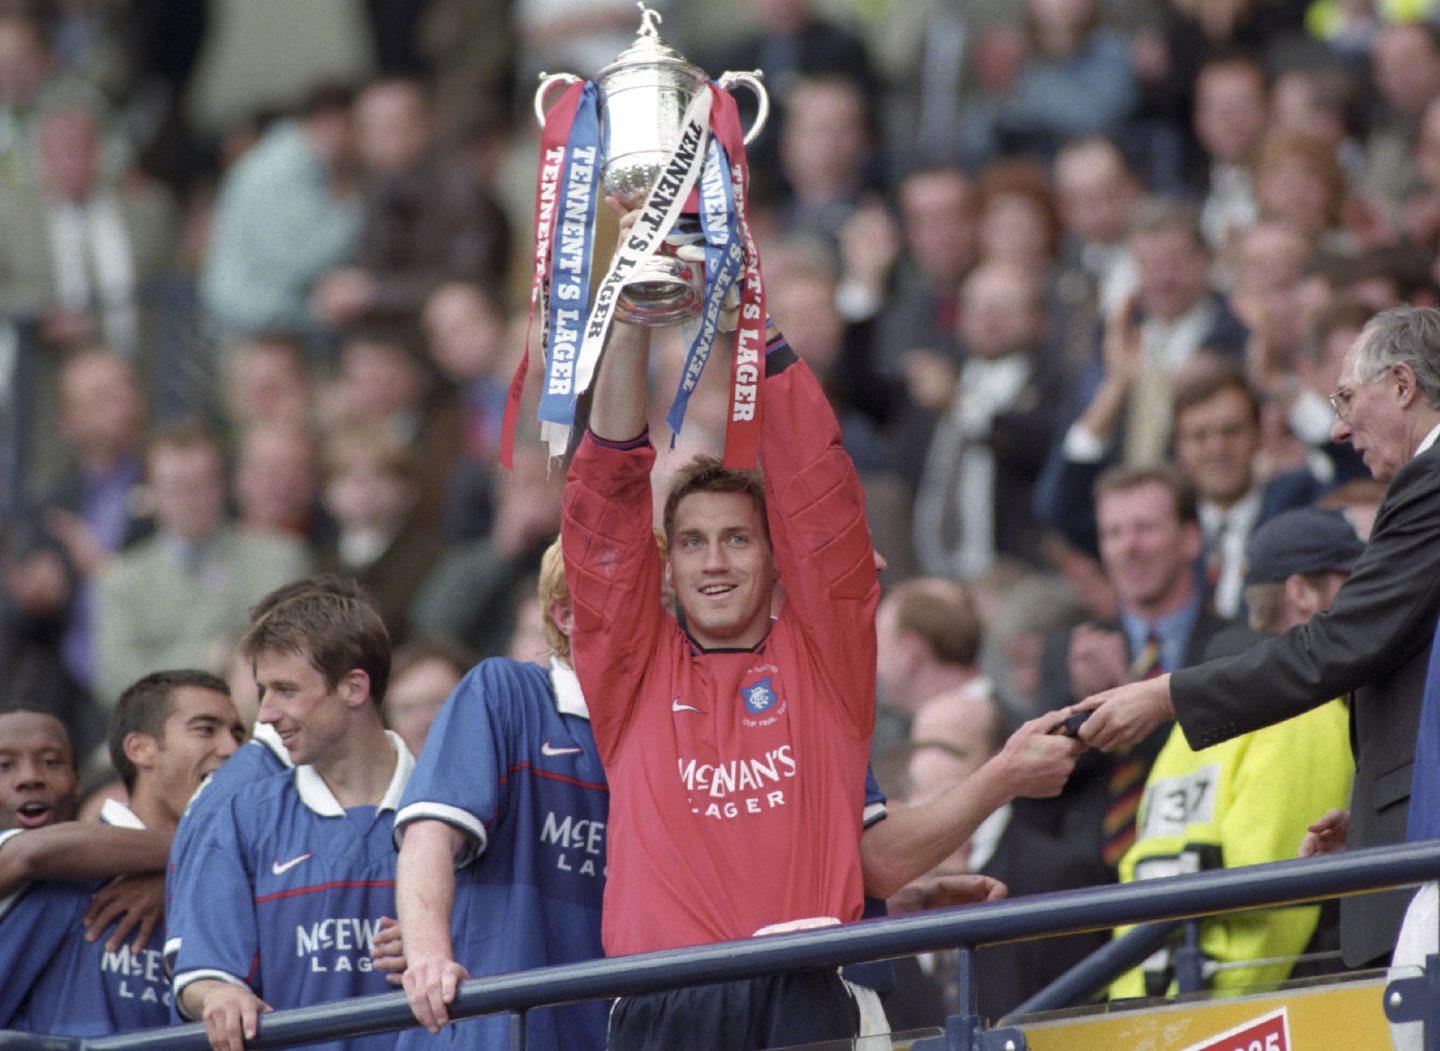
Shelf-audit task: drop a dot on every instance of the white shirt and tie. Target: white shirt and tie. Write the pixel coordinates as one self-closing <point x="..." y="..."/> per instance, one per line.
<point x="95" y="266"/>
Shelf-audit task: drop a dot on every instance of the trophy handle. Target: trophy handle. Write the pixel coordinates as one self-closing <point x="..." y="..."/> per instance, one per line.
<point x="548" y="82"/>
<point x="751" y="81"/>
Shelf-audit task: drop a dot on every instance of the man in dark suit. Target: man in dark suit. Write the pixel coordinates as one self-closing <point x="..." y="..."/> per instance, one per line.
<point x="1373" y="641"/>
<point x="1149" y="545"/>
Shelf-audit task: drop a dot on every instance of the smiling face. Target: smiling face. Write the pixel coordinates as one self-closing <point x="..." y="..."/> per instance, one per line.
<point x="309" y="716"/>
<point x="1149" y="554"/>
<point x="1215" y="444"/>
<point x="722" y="568"/>
<point x="38" y="784"/>
<point x="202" y="730"/>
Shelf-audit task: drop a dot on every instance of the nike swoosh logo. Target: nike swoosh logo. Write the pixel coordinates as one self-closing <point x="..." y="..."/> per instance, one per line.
<point x="549" y="749"/>
<point x="676" y="706"/>
<point x="280" y="869"/>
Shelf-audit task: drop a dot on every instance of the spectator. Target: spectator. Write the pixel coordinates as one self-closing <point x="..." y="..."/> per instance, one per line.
<point x="1406" y="69"/>
<point x="1126" y="395"/>
<point x="426" y="217"/>
<point x="322" y="662"/>
<point x="286" y="214"/>
<point x="465" y="338"/>
<point x="826" y="141"/>
<point x="178" y="598"/>
<point x="793" y="41"/>
<point x="267" y="381"/>
<point x="1217" y="436"/>
<point x="467" y="595"/>
<point x="1251" y="799"/>
<point x="1035" y="606"/>
<point x="382" y="384"/>
<point x="1231" y="112"/>
<point x="927" y="635"/>
<point x="81" y="251"/>
<point x="97" y="509"/>
<point x="1067" y="76"/>
<point x="1149" y="543"/>
<point x="911" y="288"/>
<point x="1019" y="222"/>
<point x="277" y="484"/>
<point x="1096" y="192"/>
<point x="989" y="447"/>
<point x="372" y="490"/>
<point x="1299" y="182"/>
<point x="424" y="675"/>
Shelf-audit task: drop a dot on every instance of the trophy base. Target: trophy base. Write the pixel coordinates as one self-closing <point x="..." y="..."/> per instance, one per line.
<point x="666" y="291"/>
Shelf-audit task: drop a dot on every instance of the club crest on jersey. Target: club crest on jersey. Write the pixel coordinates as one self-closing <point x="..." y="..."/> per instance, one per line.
<point x="759" y="697"/>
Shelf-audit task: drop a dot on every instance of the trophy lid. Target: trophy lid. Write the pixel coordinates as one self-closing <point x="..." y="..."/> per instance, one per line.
<point x="648" y="49"/>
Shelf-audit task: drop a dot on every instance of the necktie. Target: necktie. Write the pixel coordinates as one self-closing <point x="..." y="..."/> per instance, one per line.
<point x="1126" y="783"/>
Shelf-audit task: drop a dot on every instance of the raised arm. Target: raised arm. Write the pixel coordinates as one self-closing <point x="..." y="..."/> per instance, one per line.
<point x="617" y="408"/>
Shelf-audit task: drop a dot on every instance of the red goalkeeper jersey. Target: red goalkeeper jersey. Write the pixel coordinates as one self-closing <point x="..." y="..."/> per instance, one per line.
<point x="737" y="777"/>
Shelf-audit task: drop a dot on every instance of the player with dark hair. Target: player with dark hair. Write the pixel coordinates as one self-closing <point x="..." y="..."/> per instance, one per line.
<point x="167" y="732"/>
<point x="259" y="757"/>
<point x="735" y="747"/>
<point x="297" y="872"/>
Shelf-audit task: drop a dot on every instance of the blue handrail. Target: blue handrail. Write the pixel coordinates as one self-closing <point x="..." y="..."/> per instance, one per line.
<point x="1092" y="908"/>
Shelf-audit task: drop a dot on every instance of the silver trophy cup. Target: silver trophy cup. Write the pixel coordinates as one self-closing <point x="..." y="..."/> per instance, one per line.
<point x="643" y="96"/>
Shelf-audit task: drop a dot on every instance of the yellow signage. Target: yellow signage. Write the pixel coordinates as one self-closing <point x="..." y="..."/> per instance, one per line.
<point x="1341" y="1016"/>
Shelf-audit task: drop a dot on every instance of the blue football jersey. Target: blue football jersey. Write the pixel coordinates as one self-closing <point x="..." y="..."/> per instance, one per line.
<point x="510" y="760"/>
<point x="262" y="756"/>
<point x="56" y="982"/>
<point x="293" y="890"/>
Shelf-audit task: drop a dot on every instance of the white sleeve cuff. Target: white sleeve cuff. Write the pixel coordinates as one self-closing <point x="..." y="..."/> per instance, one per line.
<point x="475" y="838"/>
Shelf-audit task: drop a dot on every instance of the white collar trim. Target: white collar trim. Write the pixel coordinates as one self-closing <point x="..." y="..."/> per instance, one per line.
<point x="114" y="812"/>
<point x="1429" y="439"/>
<point x="569" y="700"/>
<point x="264" y="735"/>
<point x="316" y="794"/>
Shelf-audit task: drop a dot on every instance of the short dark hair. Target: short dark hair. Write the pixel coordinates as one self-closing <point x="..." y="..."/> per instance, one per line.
<point x="1207" y="377"/>
<point x="30" y="708"/>
<point x="336" y="632"/>
<point x="1123" y="479"/>
<point x="706" y="474"/>
<point x="144" y="707"/>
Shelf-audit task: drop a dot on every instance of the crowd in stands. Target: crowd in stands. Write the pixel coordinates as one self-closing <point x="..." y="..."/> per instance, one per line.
<point x="1077" y="278"/>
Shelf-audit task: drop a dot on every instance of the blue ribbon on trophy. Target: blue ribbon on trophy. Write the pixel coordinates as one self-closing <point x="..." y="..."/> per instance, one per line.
<point x="644" y="126"/>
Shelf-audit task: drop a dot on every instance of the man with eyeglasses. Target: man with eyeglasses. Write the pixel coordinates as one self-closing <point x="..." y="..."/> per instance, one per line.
<point x="1374" y="641"/>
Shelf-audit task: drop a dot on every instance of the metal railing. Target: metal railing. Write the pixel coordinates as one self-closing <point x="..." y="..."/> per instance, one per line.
<point x="1201" y="894"/>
